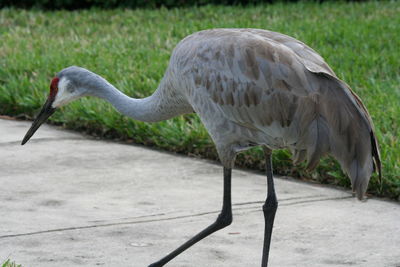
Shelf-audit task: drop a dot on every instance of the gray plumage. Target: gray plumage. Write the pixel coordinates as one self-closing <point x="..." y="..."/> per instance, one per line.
<point x="252" y="87"/>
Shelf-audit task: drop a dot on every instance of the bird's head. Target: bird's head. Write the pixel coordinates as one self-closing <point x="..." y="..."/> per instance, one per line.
<point x="66" y="86"/>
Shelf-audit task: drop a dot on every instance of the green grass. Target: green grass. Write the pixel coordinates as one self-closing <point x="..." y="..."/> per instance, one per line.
<point x="131" y="48"/>
<point x="9" y="263"/>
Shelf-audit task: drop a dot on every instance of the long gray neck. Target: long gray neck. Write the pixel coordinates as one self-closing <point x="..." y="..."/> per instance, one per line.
<point x="156" y="107"/>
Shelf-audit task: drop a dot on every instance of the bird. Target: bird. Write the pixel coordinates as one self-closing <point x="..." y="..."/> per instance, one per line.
<point x="250" y="87"/>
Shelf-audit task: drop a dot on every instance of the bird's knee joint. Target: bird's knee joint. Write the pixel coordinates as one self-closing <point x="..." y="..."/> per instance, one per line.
<point x="273" y="205"/>
<point x="224" y="219"/>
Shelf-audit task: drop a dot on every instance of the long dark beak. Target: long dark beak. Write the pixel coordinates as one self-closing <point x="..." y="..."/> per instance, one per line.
<point x="44" y="114"/>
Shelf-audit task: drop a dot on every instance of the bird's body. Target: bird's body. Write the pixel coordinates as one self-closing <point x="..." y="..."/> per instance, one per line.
<point x="256" y="87"/>
<point x="250" y="87"/>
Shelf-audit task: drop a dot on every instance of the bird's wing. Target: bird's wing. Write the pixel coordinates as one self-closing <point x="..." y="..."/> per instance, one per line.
<point x="316" y="64"/>
<point x="275" y="84"/>
<point x="308" y="56"/>
<point x="253" y="78"/>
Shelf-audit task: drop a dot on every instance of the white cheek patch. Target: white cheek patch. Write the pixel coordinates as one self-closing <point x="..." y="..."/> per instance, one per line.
<point x="63" y="95"/>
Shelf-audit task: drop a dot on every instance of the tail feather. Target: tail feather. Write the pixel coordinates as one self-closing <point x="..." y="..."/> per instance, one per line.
<point x="343" y="128"/>
<point x="377" y="156"/>
<point x="359" y="177"/>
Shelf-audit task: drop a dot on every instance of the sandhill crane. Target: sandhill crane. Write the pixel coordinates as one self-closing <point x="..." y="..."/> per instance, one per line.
<point x="249" y="87"/>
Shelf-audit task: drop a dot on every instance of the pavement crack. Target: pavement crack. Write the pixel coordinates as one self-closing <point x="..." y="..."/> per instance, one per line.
<point x="280" y="200"/>
<point x="316" y="200"/>
<point x="248" y="209"/>
<point x="106" y="225"/>
<point x="302" y="202"/>
<point x="114" y="224"/>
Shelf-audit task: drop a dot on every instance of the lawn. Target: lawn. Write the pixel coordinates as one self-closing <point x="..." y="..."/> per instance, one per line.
<point x="131" y="48"/>
<point x="9" y="263"/>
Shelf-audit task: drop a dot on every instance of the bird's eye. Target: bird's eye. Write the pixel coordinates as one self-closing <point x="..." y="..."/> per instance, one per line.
<point x="70" y="88"/>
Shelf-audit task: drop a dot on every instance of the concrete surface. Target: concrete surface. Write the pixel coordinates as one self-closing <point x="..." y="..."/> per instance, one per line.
<point x="68" y="200"/>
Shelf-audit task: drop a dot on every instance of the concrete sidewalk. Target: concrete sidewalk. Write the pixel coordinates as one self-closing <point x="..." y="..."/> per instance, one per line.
<point x="68" y="200"/>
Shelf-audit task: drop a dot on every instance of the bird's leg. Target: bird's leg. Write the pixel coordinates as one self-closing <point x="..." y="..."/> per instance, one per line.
<point x="269" y="208"/>
<point x="224" y="219"/>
